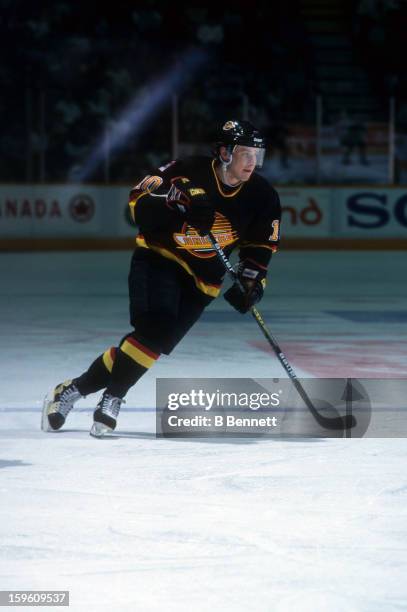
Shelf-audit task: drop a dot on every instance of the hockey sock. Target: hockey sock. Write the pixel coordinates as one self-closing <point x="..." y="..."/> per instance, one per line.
<point x="133" y="359"/>
<point x="98" y="375"/>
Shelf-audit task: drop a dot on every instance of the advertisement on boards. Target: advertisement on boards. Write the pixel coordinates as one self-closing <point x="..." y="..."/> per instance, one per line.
<point x="46" y="211"/>
<point x="370" y="212"/>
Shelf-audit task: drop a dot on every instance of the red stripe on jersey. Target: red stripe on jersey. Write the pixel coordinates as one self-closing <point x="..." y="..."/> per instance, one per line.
<point x="143" y="348"/>
<point x="255" y="262"/>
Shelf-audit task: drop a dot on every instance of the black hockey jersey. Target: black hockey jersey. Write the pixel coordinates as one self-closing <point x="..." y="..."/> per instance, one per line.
<point x="247" y="216"/>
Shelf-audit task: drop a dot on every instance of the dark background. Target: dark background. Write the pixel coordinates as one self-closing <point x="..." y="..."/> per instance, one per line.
<point x="70" y="69"/>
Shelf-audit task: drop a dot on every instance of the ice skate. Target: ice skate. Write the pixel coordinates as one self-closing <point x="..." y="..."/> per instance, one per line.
<point x="105" y="415"/>
<point x="58" y="404"/>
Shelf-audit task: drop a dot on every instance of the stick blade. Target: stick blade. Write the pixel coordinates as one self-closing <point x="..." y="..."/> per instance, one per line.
<point x="337" y="423"/>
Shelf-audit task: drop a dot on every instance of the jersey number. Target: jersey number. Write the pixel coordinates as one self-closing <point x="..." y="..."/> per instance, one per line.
<point x="276" y="229"/>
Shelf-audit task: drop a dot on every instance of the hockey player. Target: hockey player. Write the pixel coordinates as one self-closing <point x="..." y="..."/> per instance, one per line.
<point x="174" y="272"/>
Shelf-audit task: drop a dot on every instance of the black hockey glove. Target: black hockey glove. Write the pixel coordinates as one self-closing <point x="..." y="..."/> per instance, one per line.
<point x="193" y="203"/>
<point x="253" y="279"/>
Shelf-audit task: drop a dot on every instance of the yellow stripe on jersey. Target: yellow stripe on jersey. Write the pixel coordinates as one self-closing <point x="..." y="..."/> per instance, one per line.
<point x="208" y="289"/>
<point x="108" y="358"/>
<point x="132" y="204"/>
<point x="139" y="353"/>
<point x="222" y="193"/>
<point x="270" y="247"/>
<point x="146" y="186"/>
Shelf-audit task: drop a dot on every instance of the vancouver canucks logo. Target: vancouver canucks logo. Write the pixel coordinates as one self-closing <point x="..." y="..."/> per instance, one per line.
<point x="229" y="125"/>
<point x="199" y="246"/>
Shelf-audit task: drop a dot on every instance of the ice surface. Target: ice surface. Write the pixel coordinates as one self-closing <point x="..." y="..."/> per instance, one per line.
<point x="136" y="523"/>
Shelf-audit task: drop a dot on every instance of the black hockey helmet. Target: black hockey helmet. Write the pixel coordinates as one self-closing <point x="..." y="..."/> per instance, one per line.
<point x="236" y="132"/>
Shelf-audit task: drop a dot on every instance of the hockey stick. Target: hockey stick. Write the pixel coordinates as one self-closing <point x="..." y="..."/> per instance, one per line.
<point x="345" y="422"/>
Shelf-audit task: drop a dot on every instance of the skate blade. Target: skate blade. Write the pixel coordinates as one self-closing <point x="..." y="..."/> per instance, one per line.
<point x="99" y="430"/>
<point x="45" y="426"/>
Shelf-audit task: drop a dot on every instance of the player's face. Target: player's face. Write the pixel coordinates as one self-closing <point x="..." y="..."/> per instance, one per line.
<point x="243" y="163"/>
